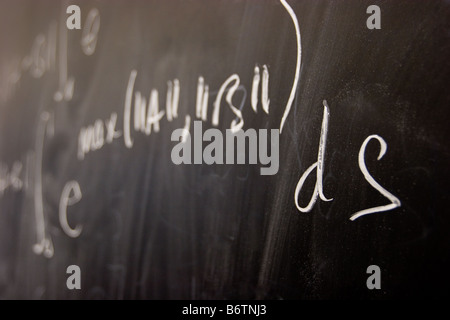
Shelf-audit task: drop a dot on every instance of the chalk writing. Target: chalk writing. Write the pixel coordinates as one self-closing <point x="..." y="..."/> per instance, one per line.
<point x="395" y="202"/>
<point x="146" y="111"/>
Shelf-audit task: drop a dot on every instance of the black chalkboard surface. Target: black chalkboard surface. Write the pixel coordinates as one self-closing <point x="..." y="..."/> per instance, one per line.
<point x="340" y="191"/>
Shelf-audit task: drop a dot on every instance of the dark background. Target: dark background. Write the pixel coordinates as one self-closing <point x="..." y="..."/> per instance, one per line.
<point x="154" y="230"/>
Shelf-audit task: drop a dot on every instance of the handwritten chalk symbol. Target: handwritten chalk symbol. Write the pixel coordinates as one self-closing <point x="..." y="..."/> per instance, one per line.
<point x="297" y="67"/>
<point x="374" y="20"/>
<point x="11" y="178"/>
<point x="374" y="281"/>
<point x="68" y="200"/>
<point x="44" y="244"/>
<point x="74" y="280"/>
<point x="185" y="134"/>
<point x="90" y="32"/>
<point x="172" y="99"/>
<point x="395" y="202"/>
<point x="65" y="83"/>
<point x="232" y="81"/>
<point x="93" y="137"/>
<point x="318" y="165"/>
<point x="201" y="105"/>
<point x="74" y="20"/>
<point x="147" y="113"/>
<point x="265" y="101"/>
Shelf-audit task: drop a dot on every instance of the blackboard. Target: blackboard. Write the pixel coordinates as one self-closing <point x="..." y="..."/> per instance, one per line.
<point x="87" y="176"/>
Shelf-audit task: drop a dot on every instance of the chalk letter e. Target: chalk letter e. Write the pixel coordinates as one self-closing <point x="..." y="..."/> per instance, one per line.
<point x="374" y="281"/>
<point x="374" y="21"/>
<point x="74" y="21"/>
<point x="74" y="281"/>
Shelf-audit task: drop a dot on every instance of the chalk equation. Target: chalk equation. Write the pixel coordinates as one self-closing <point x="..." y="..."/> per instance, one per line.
<point x="142" y="113"/>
